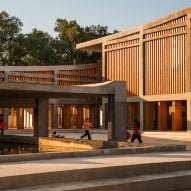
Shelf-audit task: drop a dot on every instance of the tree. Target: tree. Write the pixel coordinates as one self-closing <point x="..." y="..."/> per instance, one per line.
<point x="69" y="32"/>
<point x="38" y="48"/>
<point x="9" y="30"/>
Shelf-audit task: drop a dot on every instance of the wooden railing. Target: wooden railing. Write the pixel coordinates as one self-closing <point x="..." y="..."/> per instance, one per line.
<point x="68" y="77"/>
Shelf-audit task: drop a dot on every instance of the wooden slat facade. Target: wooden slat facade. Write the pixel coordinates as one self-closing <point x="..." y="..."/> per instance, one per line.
<point x="155" y="61"/>
<point x="163" y="59"/>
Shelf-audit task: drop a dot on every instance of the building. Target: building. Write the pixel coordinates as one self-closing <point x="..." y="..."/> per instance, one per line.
<point x="63" y="113"/>
<point x="155" y="61"/>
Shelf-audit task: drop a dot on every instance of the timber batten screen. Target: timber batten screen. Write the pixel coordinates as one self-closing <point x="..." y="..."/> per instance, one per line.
<point x="164" y="58"/>
<point x="123" y="61"/>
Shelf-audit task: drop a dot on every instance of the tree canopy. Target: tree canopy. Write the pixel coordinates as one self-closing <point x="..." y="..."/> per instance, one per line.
<point x="40" y="48"/>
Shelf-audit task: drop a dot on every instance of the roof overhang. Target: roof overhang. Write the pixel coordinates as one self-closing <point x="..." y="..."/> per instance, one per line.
<point x="92" y="45"/>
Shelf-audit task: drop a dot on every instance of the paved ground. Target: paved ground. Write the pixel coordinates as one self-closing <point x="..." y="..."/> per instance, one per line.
<point x="30" y="167"/>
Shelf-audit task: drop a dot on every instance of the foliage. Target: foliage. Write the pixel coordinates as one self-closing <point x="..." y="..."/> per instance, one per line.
<point x="39" y="48"/>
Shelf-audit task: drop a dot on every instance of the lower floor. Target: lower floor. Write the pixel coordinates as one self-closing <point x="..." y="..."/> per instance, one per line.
<point x="59" y="116"/>
<point x="154" y="116"/>
<point x="160" y="116"/>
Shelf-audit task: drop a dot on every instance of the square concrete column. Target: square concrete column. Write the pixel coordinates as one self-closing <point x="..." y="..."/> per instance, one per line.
<point x="188" y="115"/>
<point x="41" y="118"/>
<point x="149" y="115"/>
<point x="117" y="119"/>
<point x="54" y="115"/>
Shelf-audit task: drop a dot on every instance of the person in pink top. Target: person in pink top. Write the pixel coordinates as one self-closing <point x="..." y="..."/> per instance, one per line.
<point x="2" y="125"/>
<point x="87" y="125"/>
<point x="136" y="132"/>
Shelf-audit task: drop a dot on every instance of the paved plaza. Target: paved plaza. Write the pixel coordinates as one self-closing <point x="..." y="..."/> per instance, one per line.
<point x="45" y="167"/>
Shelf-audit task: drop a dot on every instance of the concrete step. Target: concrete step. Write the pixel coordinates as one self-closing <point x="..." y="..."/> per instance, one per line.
<point x="167" y="182"/>
<point x="122" y="172"/>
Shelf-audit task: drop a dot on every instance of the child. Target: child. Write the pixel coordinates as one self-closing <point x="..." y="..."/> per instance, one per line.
<point x="2" y="126"/>
<point x="55" y="135"/>
<point x="136" y="131"/>
<point x="128" y="135"/>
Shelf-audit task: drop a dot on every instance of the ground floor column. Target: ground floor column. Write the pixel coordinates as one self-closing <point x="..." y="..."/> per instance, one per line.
<point x="141" y="115"/>
<point x="20" y="118"/>
<point x="162" y="115"/>
<point x="41" y="118"/>
<point x="66" y="116"/>
<point x="96" y="116"/>
<point x="117" y="119"/>
<point x="149" y="115"/>
<point x="176" y="115"/>
<point x="79" y="116"/>
<point x="188" y="115"/>
<point x="54" y="116"/>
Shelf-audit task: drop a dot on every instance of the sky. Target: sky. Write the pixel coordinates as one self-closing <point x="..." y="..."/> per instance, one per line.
<point x="115" y="14"/>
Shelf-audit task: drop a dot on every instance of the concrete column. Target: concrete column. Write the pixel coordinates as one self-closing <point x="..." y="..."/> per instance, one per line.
<point x="188" y="102"/>
<point x="92" y="111"/>
<point x="20" y="118"/>
<point x="141" y="115"/>
<point x="117" y="119"/>
<point x="104" y="113"/>
<point x="111" y="118"/>
<point x="149" y="115"/>
<point x="41" y="118"/>
<point x="54" y="116"/>
<point x="79" y="116"/>
<point x="5" y="117"/>
<point x="162" y="115"/>
<point x="66" y="116"/>
<point x="176" y="115"/>
<point x="96" y="116"/>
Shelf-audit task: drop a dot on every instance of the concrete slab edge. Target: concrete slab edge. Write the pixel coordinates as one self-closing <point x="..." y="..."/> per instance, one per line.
<point x="72" y="154"/>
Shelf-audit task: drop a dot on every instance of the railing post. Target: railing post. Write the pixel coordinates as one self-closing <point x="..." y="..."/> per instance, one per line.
<point x="5" y="76"/>
<point x="55" y="77"/>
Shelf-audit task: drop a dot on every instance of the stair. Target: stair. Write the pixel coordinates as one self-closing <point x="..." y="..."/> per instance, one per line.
<point x="166" y="176"/>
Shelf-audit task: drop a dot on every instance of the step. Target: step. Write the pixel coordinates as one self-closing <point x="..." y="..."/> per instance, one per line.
<point x="168" y="182"/>
<point x="90" y="174"/>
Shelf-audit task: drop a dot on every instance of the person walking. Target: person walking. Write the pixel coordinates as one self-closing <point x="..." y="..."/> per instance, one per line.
<point x="136" y="131"/>
<point x="87" y="125"/>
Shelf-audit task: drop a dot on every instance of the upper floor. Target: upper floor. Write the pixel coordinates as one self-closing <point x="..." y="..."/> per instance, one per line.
<point x="153" y="59"/>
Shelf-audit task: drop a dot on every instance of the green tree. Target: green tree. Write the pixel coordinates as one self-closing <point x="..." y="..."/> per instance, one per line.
<point x="9" y="30"/>
<point x="38" y="49"/>
<point x="68" y="34"/>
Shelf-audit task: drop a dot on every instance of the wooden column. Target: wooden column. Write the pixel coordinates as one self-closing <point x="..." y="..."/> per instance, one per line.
<point x="149" y="115"/>
<point x="176" y="115"/>
<point x="92" y="110"/>
<point x="20" y="118"/>
<point x="133" y="112"/>
<point x="162" y="116"/>
<point x="66" y="116"/>
<point x="79" y="116"/>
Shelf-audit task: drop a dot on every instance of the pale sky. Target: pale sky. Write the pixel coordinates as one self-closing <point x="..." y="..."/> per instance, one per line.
<point x="116" y="14"/>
